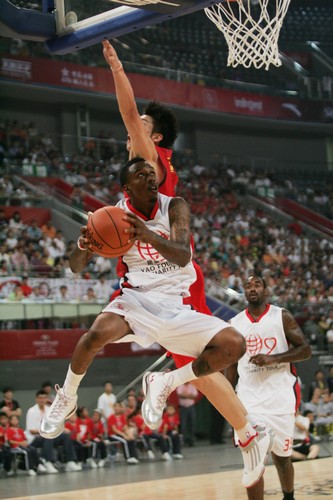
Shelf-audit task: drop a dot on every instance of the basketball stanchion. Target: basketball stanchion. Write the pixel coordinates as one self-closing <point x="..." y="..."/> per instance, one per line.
<point x="251" y="29"/>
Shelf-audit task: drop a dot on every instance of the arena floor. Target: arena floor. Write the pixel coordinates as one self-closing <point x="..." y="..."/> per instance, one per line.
<point x="206" y="473"/>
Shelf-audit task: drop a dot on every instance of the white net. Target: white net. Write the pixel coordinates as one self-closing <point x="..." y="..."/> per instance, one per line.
<point x="251" y="29"/>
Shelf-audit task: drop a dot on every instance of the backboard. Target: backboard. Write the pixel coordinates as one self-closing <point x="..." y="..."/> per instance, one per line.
<point x="70" y="25"/>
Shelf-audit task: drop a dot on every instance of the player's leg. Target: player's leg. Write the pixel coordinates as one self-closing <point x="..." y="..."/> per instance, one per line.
<point x="107" y="327"/>
<point x="256" y="492"/>
<point x="285" y="470"/>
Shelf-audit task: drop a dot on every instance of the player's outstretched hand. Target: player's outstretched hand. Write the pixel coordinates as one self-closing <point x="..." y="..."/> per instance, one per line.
<point x="111" y="56"/>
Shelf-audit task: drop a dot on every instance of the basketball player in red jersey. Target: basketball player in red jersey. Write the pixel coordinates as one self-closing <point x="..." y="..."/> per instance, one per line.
<point x="150" y="136"/>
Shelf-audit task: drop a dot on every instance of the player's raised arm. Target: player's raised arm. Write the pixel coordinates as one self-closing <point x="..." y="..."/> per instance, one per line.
<point x="141" y="142"/>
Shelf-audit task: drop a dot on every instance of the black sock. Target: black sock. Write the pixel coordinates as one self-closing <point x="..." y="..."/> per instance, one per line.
<point x="288" y="496"/>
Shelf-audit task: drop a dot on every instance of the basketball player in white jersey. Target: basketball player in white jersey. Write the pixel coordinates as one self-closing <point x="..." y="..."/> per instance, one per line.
<point x="150" y="309"/>
<point x="267" y="381"/>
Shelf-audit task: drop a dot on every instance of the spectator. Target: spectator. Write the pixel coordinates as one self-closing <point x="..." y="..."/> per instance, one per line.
<point x="48" y="229"/>
<point x="63" y="294"/>
<point x="9" y="405"/>
<point x="103" y="289"/>
<point x="34" y="232"/>
<point x="119" y="431"/>
<point x="187" y="397"/>
<point x="16" y="224"/>
<point x="170" y="429"/>
<point x="26" y="288"/>
<point x="47" y="387"/>
<point x="84" y="428"/>
<point x="19" y="260"/>
<point x="97" y="437"/>
<point x="330" y="380"/>
<point x="17" y="440"/>
<point x="5" y="455"/>
<point x="16" y="295"/>
<point x="33" y="419"/>
<point x="303" y="446"/>
<point x="89" y="296"/>
<point x="106" y="401"/>
<point x="319" y="382"/>
<point x="11" y="239"/>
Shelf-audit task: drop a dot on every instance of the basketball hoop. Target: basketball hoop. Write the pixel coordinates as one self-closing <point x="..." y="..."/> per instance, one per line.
<point x="251" y="29"/>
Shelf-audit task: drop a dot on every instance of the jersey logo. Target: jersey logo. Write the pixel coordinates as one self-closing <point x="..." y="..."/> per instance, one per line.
<point x="148" y="252"/>
<point x="254" y="344"/>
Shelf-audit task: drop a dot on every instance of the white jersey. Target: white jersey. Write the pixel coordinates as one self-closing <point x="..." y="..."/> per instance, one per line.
<point x="270" y="389"/>
<point x="147" y="269"/>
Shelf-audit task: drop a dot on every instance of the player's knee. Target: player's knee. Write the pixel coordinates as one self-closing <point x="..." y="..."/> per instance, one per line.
<point x="94" y="339"/>
<point x="237" y="344"/>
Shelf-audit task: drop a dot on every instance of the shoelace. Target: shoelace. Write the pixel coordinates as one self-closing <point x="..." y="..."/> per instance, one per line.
<point x="162" y="397"/>
<point x="61" y="404"/>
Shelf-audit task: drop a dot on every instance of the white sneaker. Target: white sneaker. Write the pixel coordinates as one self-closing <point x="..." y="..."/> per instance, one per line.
<point x="53" y="422"/>
<point x="10" y="473"/>
<point x="255" y="454"/>
<point x="50" y="468"/>
<point x="101" y="463"/>
<point x="72" y="467"/>
<point x="32" y="473"/>
<point x="150" y="454"/>
<point x="92" y="463"/>
<point x="41" y="468"/>
<point x="132" y="461"/>
<point x="156" y="387"/>
<point x="166" y="456"/>
<point x="178" y="456"/>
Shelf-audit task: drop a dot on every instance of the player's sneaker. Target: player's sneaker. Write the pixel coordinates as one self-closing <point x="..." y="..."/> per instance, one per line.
<point x="53" y="422"/>
<point x="255" y="453"/>
<point x="156" y="387"/>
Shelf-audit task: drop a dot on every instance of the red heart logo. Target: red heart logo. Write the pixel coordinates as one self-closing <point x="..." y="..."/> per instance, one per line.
<point x="270" y="344"/>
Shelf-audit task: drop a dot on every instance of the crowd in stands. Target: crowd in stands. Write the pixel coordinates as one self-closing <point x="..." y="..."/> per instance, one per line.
<point x="114" y="429"/>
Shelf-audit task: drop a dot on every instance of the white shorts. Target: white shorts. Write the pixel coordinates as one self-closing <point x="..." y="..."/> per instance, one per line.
<point x="165" y="320"/>
<point x="282" y="425"/>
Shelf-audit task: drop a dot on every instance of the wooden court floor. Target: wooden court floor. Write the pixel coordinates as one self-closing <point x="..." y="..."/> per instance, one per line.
<point x="189" y="479"/>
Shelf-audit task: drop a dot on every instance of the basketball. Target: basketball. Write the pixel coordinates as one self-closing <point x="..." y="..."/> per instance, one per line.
<point x="105" y="230"/>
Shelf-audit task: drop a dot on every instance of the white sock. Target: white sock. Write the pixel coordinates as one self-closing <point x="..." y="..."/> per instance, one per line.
<point x="245" y="433"/>
<point x="182" y="375"/>
<point x="72" y="382"/>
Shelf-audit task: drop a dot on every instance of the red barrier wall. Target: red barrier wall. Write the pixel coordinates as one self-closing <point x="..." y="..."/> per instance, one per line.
<point x="59" y="344"/>
<point x="42" y="215"/>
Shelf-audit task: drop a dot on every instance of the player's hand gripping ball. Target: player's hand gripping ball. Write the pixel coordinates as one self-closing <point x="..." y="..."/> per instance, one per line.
<point x="105" y="231"/>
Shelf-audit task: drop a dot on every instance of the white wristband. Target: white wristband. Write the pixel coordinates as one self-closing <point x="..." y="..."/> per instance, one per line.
<point x="80" y="247"/>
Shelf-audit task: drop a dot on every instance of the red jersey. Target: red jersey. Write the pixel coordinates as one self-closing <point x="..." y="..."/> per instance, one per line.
<point x="140" y="424"/>
<point x="15" y="434"/>
<point x="170" y="181"/>
<point x="118" y="421"/>
<point x="171" y="421"/>
<point x="2" y="436"/>
<point x="73" y="429"/>
<point x="97" y="429"/>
